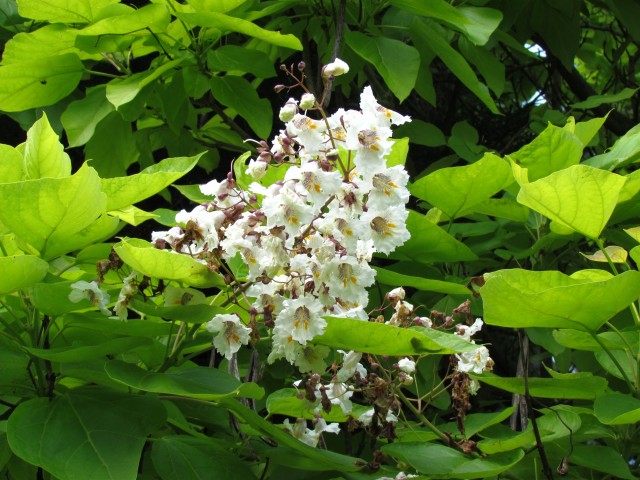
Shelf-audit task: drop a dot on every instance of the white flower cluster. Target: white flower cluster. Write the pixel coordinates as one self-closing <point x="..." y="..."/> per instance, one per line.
<point x="307" y="239"/>
<point x="476" y="361"/>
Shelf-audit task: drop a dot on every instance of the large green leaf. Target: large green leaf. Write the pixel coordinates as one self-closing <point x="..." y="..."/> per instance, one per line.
<point x="239" y="95"/>
<point x="20" y="272"/>
<point x="44" y="155"/>
<point x="476" y="23"/>
<point x="617" y="409"/>
<point x="195" y="382"/>
<point x="153" y="17"/>
<point x="152" y="262"/>
<point x="227" y="24"/>
<point x="580" y="197"/>
<point x="554" y="149"/>
<point x="521" y="298"/>
<point x="396" y="279"/>
<point x="11" y="164"/>
<point x="187" y="458"/>
<point x="601" y="459"/>
<point x="197" y="313"/>
<point x="112" y="147"/>
<point x="237" y="59"/>
<point x="82" y="116"/>
<point x="429" y="243"/>
<point x="396" y="62"/>
<point x="84" y="353"/>
<point x="456" y="189"/>
<point x="439" y="461"/>
<point x="124" y="191"/>
<point x="574" y="386"/>
<point x="625" y="151"/>
<point x="454" y="61"/>
<point x="383" y="339"/>
<point x="44" y="42"/>
<point x="38" y="83"/>
<point x="62" y="11"/>
<point x="85" y="433"/>
<point x="46" y="211"/>
<point x="596" y="100"/>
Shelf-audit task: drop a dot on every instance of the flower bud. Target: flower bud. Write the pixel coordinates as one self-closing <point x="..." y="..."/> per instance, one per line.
<point x="256" y="169"/>
<point x="307" y="101"/>
<point x="279" y="88"/>
<point x="288" y="111"/>
<point x="301" y="65"/>
<point x="335" y="68"/>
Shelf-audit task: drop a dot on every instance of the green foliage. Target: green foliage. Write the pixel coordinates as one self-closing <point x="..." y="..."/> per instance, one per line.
<point x="522" y="215"/>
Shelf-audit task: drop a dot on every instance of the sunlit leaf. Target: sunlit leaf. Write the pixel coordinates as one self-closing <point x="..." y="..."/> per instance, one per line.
<point x="579" y="197"/>
<point x="155" y="263"/>
<point x="615" y="253"/>
<point x="21" y="271"/>
<point x="44" y="155"/>
<point x="571" y="386"/>
<point x="62" y="11"/>
<point x="124" y="191"/>
<point x="382" y="339"/>
<point x="82" y="116"/>
<point x="456" y="189"/>
<point x="554" y="300"/>
<point x="617" y="409"/>
<point x="227" y="23"/>
<point x="40" y="82"/>
<point x="395" y="279"/>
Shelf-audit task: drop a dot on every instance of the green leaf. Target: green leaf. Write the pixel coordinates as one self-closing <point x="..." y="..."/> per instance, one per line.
<point x="124" y="191"/>
<point x="44" y="42"/>
<point x="226" y="24"/>
<point x="84" y="353"/>
<point x="580" y="197"/>
<point x="397" y="62"/>
<point x="113" y="147"/>
<point x="553" y="300"/>
<point x="456" y="189"/>
<point x="503" y="208"/>
<point x="596" y="100"/>
<point x="134" y="327"/>
<point x="429" y="243"/>
<point x="571" y="386"/>
<point x="398" y="153"/>
<point x="132" y="215"/>
<point x="601" y="459"/>
<point x="583" y="341"/>
<point x="395" y="279"/>
<point x="491" y="69"/>
<point x="625" y="151"/>
<point x="20" y="272"/>
<point x="62" y="11"/>
<point x="180" y="456"/>
<point x="454" y="61"/>
<point x="554" y="149"/>
<point x="38" y="83"/>
<point x="476" y="23"/>
<point x="586" y="131"/>
<point x="198" y="313"/>
<point x="82" y="116"/>
<point x="47" y="211"/>
<point x="44" y="155"/>
<point x="122" y="91"/>
<point x="11" y="164"/>
<point x="617" y="409"/>
<point x="287" y="402"/>
<point x="153" y="17"/>
<point x="85" y="433"/>
<point x="142" y="257"/>
<point x="239" y="60"/>
<point x="194" y="382"/>
<point x="238" y="94"/>
<point x="439" y="461"/>
<point x="421" y="133"/>
<point x="383" y="339"/>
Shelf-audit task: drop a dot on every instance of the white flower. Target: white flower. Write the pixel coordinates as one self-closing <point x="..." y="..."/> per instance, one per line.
<point x="289" y="110"/>
<point x="311" y="437"/>
<point x="307" y="101"/>
<point x="466" y="331"/>
<point x="82" y="290"/>
<point x="256" y="169"/>
<point x="474" y="386"/>
<point x="314" y="183"/>
<point x="476" y="361"/>
<point x="309" y="133"/>
<point x="204" y="225"/>
<point x="231" y="334"/>
<point x="387" y="229"/>
<point x="301" y="317"/>
<point x="128" y="290"/>
<point x="371" y="108"/>
<point x="287" y="209"/>
<point x="388" y="188"/>
<point x="335" y="68"/>
<point x="407" y="365"/>
<point x="367" y="417"/>
<point x="423" y="322"/>
<point x="396" y="295"/>
<point x="340" y="394"/>
<point x="350" y="365"/>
